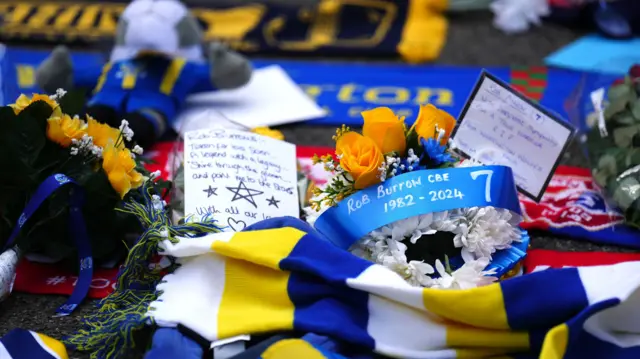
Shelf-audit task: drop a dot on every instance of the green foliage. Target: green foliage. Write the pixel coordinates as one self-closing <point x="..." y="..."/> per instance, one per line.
<point x="413" y="141"/>
<point x="73" y="102"/>
<point x="615" y="158"/>
<point x="27" y="158"/>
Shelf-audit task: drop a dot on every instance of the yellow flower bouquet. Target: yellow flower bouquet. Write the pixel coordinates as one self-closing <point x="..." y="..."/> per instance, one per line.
<point x="41" y="143"/>
<point x="400" y="196"/>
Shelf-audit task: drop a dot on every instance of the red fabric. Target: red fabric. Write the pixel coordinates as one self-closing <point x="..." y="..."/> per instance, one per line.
<point x="570" y="200"/>
<point x="541" y="259"/>
<point x="38" y="278"/>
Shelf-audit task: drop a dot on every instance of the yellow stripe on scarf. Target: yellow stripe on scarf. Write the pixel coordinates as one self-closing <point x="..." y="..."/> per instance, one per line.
<point x="555" y="343"/>
<point x="482" y="307"/>
<point x="292" y="349"/>
<point x="52" y="345"/>
<point x="265" y="247"/>
<point x="255" y="297"/>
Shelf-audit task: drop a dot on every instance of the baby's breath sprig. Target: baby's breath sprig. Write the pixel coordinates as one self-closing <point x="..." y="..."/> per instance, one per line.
<point x="126" y="133"/>
<point x="340" y="187"/>
<point x="86" y="148"/>
<point x="58" y="95"/>
<point x="329" y="163"/>
<point x="336" y="191"/>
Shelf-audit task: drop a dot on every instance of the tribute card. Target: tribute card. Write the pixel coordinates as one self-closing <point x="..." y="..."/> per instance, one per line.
<point x="498" y="125"/>
<point x="239" y="178"/>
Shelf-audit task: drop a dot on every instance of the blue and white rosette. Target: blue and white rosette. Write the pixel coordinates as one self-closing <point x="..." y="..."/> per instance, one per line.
<point x="423" y="192"/>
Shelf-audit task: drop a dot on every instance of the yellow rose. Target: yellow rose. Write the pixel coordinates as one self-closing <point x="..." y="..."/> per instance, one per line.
<point x="24" y="101"/>
<point x="428" y="118"/>
<point x="120" y="169"/>
<point x="102" y="133"/>
<point x="360" y="157"/>
<point x="266" y="131"/>
<point x="62" y="130"/>
<point x="385" y="129"/>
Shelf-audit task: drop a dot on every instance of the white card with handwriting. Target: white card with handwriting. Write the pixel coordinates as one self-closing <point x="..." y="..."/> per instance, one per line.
<point x="498" y="125"/>
<point x="239" y="178"/>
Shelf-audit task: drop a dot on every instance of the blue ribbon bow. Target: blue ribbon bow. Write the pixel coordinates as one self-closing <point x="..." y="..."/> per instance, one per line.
<point x="77" y="229"/>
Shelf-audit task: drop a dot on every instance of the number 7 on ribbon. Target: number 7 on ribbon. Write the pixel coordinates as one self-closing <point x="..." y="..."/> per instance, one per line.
<point x="487" y="186"/>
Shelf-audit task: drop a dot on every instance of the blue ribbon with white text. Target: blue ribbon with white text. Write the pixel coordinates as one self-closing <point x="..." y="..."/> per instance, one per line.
<point x="77" y="229"/>
<point x="417" y="193"/>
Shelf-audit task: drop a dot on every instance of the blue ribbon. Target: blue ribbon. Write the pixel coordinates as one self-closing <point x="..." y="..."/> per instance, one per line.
<point x="417" y="193"/>
<point x="77" y="229"/>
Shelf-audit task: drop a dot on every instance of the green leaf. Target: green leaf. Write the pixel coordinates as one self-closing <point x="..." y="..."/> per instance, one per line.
<point x="50" y="159"/>
<point x="413" y="141"/>
<point x="38" y="112"/>
<point x="633" y="96"/>
<point x="618" y="98"/>
<point x="99" y="191"/>
<point x="597" y="145"/>
<point x="623" y="118"/>
<point x="619" y="92"/>
<point x="632" y="158"/>
<point x="7" y="119"/>
<point x="623" y="136"/>
<point x="73" y="102"/>
<point x="635" y="110"/>
<point x="608" y="164"/>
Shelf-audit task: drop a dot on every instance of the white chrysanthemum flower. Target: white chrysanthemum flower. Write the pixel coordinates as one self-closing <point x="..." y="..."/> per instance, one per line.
<point x="413" y="228"/>
<point x="470" y="275"/>
<point x="485" y="230"/>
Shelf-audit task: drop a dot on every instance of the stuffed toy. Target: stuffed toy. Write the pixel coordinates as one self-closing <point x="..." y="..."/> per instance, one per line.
<point x="158" y="60"/>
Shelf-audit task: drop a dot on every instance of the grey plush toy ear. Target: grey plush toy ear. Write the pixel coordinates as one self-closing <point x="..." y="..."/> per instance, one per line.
<point x="189" y="32"/>
<point x="121" y="32"/>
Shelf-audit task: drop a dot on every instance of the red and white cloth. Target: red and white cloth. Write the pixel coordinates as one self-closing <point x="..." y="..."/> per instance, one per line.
<point x="573" y="206"/>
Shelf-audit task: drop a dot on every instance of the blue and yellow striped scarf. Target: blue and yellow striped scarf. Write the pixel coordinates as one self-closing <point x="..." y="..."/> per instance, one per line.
<point x="25" y="344"/>
<point x="282" y="276"/>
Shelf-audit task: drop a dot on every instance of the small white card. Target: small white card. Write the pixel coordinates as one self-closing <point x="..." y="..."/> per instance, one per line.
<point x="239" y="178"/>
<point x="498" y="125"/>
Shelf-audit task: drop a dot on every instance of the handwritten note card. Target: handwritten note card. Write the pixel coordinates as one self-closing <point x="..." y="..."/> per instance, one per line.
<point x="500" y="126"/>
<point x="238" y="177"/>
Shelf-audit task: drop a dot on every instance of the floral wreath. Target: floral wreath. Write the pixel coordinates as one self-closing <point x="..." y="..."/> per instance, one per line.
<point x="102" y="160"/>
<point x="419" y="247"/>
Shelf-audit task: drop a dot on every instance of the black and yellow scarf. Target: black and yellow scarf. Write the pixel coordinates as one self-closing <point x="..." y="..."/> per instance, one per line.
<point x="414" y="29"/>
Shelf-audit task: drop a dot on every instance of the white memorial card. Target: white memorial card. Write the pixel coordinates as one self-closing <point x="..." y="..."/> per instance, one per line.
<point x="271" y="98"/>
<point x="498" y="125"/>
<point x="239" y="178"/>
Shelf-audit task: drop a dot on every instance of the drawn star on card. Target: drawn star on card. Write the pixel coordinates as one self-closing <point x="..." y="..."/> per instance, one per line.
<point x="273" y="201"/>
<point x="210" y="191"/>
<point x="250" y="193"/>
